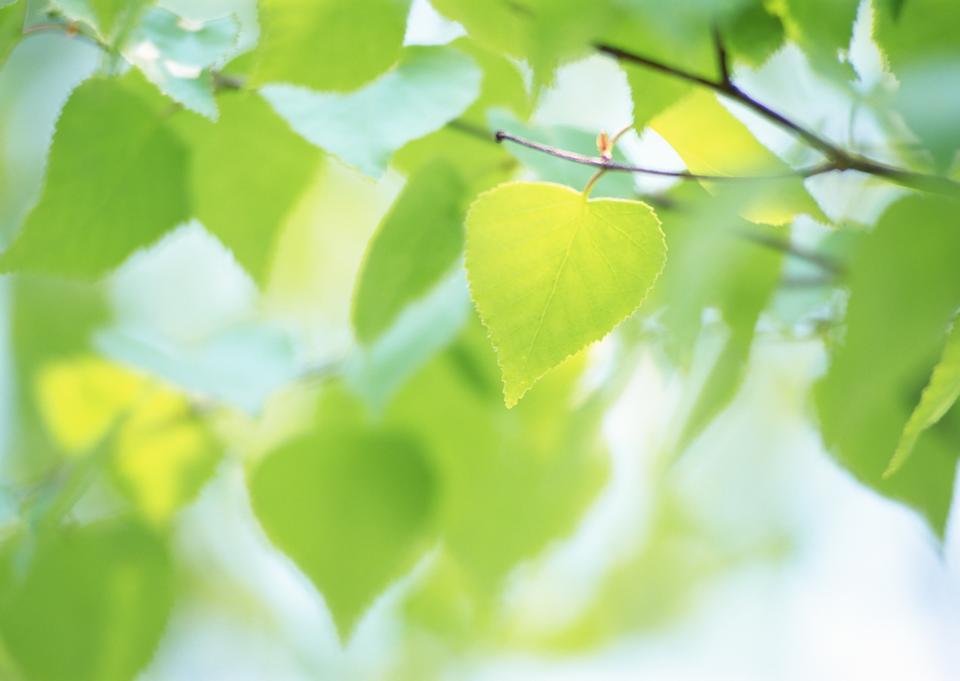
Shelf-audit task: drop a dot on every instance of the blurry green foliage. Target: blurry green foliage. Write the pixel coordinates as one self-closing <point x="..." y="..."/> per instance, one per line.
<point x="353" y="184"/>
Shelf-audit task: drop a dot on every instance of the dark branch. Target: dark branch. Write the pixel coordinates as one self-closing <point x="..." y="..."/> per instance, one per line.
<point x="614" y="166"/>
<point x="839" y="158"/>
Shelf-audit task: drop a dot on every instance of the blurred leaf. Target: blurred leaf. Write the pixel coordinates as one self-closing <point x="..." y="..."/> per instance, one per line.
<point x="351" y="505"/>
<point x="551" y="272"/>
<point x="417" y="242"/>
<point x="754" y="34"/>
<point x="920" y="43"/>
<point x="12" y="16"/>
<point x="115" y="183"/>
<point x="187" y="42"/>
<point x="544" y="32"/>
<point x="711" y="141"/>
<point x="86" y="603"/>
<point x="551" y="169"/>
<point x="164" y="455"/>
<point x="938" y="397"/>
<point x="429" y="87"/>
<point x="249" y="170"/>
<point x="823" y="29"/>
<point x="466" y="143"/>
<point x="50" y="321"/>
<point x="174" y="55"/>
<point x="513" y="480"/>
<point x="376" y="371"/>
<point x="348" y="43"/>
<point x="113" y="20"/>
<point x="82" y="398"/>
<point x="242" y="366"/>
<point x="906" y="274"/>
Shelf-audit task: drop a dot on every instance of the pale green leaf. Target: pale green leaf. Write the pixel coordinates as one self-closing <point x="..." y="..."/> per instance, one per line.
<point x="241" y="367"/>
<point x="428" y="88"/>
<point x="85" y="603"/>
<point x="113" y="20"/>
<point x="189" y="43"/>
<point x="417" y="243"/>
<point x="249" y="170"/>
<point x="938" y="397"/>
<point x="329" y="44"/>
<point x="116" y="181"/>
<point x="551" y="272"/>
<point x="351" y="505"/>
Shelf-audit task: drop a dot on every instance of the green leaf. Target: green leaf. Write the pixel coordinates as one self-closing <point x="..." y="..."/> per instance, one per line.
<point x="116" y="182"/>
<point x="938" y="397"/>
<point x="428" y="88"/>
<point x="12" y="17"/>
<point x="902" y="273"/>
<point x="921" y="48"/>
<point x="248" y="171"/>
<point x="351" y="506"/>
<point x="823" y="29"/>
<point x="711" y="141"/>
<point x="753" y="35"/>
<point x="532" y="471"/>
<point x="86" y="603"/>
<point x="551" y="272"/>
<point x="329" y="44"/>
<point x="417" y="243"/>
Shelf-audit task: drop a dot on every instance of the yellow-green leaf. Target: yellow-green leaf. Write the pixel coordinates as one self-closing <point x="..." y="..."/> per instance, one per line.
<point x="711" y="141"/>
<point x="551" y="272"/>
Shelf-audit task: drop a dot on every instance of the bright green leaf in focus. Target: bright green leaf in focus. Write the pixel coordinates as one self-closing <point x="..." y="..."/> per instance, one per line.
<point x="903" y="294"/>
<point x="86" y="603"/>
<point x="711" y="141"/>
<point x="116" y="181"/>
<point x="352" y="506"/>
<point x="428" y="88"/>
<point x="551" y="272"/>
<point x="938" y="397"/>
<point x="416" y="244"/>
<point x="248" y="172"/>
<point x="329" y="44"/>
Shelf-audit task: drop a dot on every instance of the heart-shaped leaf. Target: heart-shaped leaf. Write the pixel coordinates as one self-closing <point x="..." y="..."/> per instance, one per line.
<point x="351" y="506"/>
<point x="551" y="272"/>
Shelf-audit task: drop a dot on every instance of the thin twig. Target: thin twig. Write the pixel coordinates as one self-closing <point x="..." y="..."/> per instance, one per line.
<point x="610" y="165"/>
